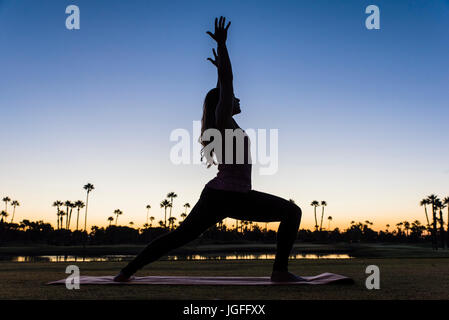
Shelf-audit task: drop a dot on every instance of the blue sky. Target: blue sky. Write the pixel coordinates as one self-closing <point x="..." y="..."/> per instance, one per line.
<point x="362" y="114"/>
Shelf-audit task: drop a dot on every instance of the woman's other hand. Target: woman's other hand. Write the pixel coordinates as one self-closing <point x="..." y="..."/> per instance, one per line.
<point x="214" y="62"/>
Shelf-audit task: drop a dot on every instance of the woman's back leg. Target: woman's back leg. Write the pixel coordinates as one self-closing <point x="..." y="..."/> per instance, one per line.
<point x="200" y="218"/>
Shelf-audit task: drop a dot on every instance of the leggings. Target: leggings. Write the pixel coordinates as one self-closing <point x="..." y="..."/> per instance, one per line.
<point x="214" y="206"/>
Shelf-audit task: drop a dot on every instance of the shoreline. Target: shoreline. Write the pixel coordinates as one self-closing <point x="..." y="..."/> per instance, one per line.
<point x="354" y="250"/>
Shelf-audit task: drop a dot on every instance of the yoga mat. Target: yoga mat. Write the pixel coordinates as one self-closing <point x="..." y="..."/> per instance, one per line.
<point x="324" y="278"/>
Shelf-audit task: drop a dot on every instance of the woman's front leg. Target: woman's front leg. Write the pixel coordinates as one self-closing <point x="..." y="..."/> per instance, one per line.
<point x="264" y="207"/>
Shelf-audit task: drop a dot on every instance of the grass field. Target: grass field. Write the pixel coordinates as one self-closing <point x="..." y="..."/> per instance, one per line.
<point x="417" y="278"/>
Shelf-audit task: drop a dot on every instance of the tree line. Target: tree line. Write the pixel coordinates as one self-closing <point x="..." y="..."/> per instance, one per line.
<point x="40" y="232"/>
<point x="68" y="218"/>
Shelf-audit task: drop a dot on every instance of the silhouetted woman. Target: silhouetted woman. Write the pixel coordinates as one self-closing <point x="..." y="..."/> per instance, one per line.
<point x="229" y="194"/>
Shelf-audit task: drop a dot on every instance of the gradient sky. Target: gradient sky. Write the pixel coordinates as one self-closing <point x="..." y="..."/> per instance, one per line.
<point x="362" y="114"/>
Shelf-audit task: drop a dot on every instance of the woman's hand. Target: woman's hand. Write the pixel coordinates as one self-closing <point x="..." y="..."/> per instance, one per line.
<point x="221" y="32"/>
<point x="214" y="62"/>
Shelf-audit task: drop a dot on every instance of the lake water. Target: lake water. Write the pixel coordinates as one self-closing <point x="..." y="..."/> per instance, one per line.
<point x="195" y="257"/>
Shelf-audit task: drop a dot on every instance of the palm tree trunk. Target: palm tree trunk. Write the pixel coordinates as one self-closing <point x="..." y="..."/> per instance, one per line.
<point x="67" y="218"/>
<point x="316" y="221"/>
<point x="427" y="216"/>
<point x="85" y="214"/>
<point x="165" y="217"/>
<point x="322" y="215"/>
<point x="442" y="228"/>
<point x="116" y="220"/>
<point x="70" y="218"/>
<point x="57" y="216"/>
<point x="171" y="206"/>
<point x="434" y="216"/>
<point x="13" y="213"/>
<point x="77" y="218"/>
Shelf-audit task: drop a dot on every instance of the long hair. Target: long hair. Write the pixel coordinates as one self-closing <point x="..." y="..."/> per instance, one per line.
<point x="208" y="122"/>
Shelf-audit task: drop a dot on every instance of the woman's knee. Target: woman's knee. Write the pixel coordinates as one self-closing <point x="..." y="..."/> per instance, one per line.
<point x="294" y="213"/>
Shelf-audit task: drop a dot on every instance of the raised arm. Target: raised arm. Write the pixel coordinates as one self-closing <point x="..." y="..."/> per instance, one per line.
<point x="223" y="112"/>
<point x="215" y="63"/>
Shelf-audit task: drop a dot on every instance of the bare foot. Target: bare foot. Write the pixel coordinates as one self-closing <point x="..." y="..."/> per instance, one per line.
<point x="285" y="276"/>
<point x="121" y="277"/>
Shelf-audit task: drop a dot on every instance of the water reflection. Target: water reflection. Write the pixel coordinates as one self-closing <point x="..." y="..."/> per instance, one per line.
<point x="264" y="256"/>
<point x="194" y="257"/>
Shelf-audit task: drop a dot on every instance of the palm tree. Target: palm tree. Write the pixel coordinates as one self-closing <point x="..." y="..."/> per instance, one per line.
<point x="88" y="187"/>
<point x="323" y="204"/>
<point x="315" y="204"/>
<point x="79" y="205"/>
<point x="329" y="219"/>
<point x="15" y="204"/>
<point x="131" y="223"/>
<point x="57" y="204"/>
<point x="165" y="204"/>
<point x="171" y="196"/>
<point x="61" y="215"/>
<point x="183" y="216"/>
<point x="399" y="225"/>
<point x="117" y="212"/>
<point x="424" y="202"/>
<point x="171" y="222"/>
<point x="161" y="223"/>
<point x="186" y="206"/>
<point x="446" y="202"/>
<point x="440" y="206"/>
<point x="148" y="211"/>
<point x="151" y="221"/>
<point x="72" y="205"/>
<point x="416" y="226"/>
<point x="110" y="219"/>
<point x="4" y="215"/>
<point x="6" y="200"/>
<point x="432" y="199"/>
<point x="68" y="205"/>
<point x="406" y="227"/>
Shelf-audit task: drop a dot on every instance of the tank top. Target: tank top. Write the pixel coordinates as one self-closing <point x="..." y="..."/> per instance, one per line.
<point x="234" y="176"/>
